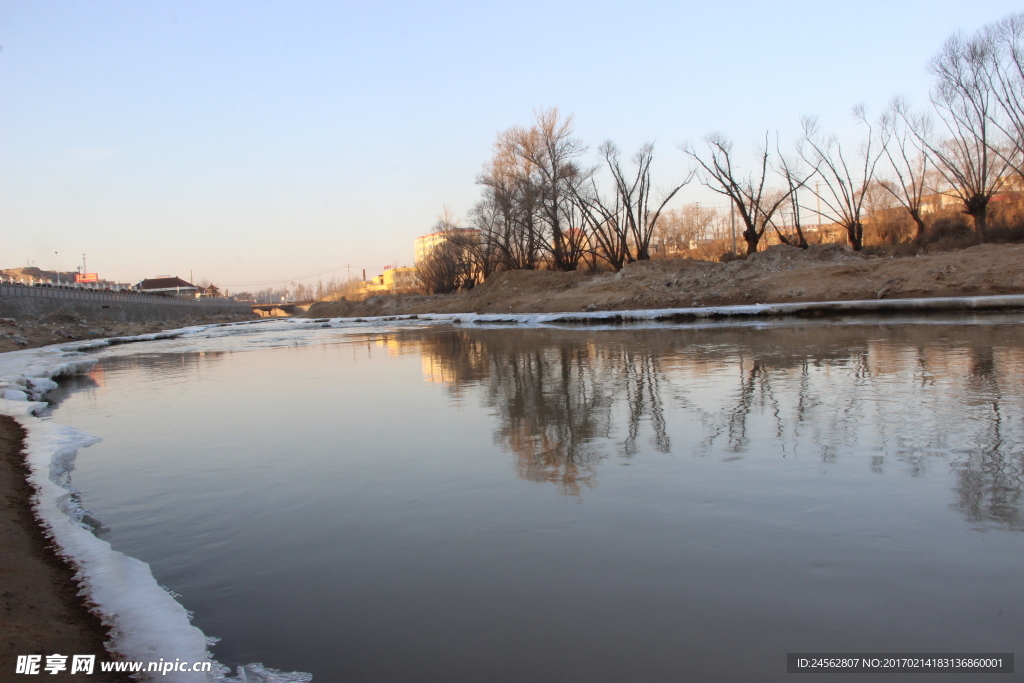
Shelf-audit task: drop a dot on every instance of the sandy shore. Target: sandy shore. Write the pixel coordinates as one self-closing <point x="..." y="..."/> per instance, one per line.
<point x="42" y="611"/>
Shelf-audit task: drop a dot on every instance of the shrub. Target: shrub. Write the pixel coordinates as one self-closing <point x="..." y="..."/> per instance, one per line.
<point x="948" y="233"/>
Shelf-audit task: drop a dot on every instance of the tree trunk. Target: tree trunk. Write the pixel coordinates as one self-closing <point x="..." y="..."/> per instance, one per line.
<point x="752" y="239"/>
<point x="977" y="208"/>
<point x="916" y="215"/>
<point x="855" y="233"/>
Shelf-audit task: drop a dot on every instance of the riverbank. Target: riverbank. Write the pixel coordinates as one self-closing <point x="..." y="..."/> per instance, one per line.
<point x="43" y="613"/>
<point x="780" y="274"/>
<point x="30" y="333"/>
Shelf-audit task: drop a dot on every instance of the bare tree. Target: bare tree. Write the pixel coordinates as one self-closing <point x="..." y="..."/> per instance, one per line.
<point x="678" y="229"/>
<point x="492" y="249"/>
<point x="441" y="271"/>
<point x="562" y="175"/>
<point x="906" y="160"/>
<point x="455" y="263"/>
<point x="754" y="202"/>
<point x="885" y="218"/>
<point x="796" y="178"/>
<point x="634" y="196"/>
<point x="530" y="188"/>
<point x="965" y="103"/>
<point x="508" y="212"/>
<point x="620" y="227"/>
<point x="846" y="176"/>
<point x="549" y="150"/>
<point x="1005" y="76"/>
<point x="607" y="229"/>
<point x="446" y="220"/>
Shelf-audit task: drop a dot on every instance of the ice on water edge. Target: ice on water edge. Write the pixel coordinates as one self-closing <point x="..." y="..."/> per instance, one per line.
<point x="146" y="622"/>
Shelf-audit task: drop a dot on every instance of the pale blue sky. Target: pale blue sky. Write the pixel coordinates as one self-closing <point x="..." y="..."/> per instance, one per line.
<point x="246" y="141"/>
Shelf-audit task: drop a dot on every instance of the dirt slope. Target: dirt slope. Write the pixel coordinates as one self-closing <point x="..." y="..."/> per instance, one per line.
<point x="776" y="275"/>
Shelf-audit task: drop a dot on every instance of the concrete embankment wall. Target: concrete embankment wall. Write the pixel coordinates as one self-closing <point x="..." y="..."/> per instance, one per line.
<point x="20" y="301"/>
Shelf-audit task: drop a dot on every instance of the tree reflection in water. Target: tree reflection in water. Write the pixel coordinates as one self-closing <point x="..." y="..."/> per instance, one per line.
<point x="990" y="473"/>
<point x="912" y="395"/>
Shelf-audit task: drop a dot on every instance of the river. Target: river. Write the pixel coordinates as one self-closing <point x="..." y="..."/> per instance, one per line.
<point x="410" y="501"/>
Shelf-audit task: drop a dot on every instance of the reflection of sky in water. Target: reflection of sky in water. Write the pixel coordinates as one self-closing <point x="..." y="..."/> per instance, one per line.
<point x="363" y="503"/>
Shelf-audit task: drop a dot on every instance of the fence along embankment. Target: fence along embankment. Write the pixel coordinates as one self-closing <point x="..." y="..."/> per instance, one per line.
<point x="23" y="301"/>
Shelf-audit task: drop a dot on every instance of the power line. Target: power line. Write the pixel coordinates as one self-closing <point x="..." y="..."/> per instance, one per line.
<point x="290" y="279"/>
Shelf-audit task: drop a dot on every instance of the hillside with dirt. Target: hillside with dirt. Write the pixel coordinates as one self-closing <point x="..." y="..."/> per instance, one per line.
<point x="779" y="274"/>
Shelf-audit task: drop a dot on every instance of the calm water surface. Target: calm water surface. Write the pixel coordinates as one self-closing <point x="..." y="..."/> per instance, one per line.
<point x="666" y="504"/>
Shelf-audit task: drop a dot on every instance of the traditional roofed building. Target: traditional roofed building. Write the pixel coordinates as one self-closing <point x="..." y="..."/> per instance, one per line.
<point x="168" y="286"/>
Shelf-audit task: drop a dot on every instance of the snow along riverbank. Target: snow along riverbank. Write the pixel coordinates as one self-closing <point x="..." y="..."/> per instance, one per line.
<point x="147" y="624"/>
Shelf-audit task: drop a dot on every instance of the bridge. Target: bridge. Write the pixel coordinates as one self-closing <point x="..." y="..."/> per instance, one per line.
<point x="279" y="310"/>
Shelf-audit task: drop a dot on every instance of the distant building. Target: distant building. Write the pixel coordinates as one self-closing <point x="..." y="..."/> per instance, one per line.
<point x="168" y="286"/>
<point x="401" y="279"/>
<point x="427" y="243"/>
<point x="393" y="281"/>
<point x="930" y="203"/>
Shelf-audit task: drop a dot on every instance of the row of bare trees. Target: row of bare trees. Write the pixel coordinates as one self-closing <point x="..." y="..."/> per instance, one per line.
<point x="969" y="147"/>
<point x="299" y="291"/>
<point x="543" y="207"/>
<point x="822" y="167"/>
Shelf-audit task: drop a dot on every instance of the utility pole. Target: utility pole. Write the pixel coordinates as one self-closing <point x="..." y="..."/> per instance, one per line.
<point x="84" y="269"/>
<point x="732" y="224"/>
<point x="818" y="197"/>
<point x="56" y="265"/>
<point x="692" y="241"/>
